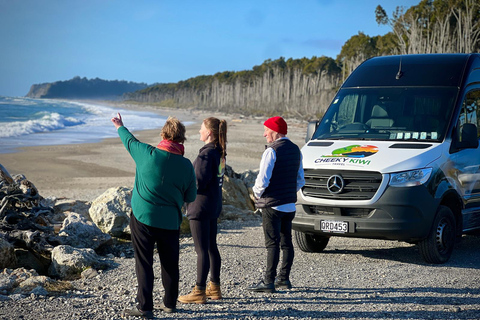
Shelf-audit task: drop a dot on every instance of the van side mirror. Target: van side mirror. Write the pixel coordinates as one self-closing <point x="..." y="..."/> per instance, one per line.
<point x="311" y="128"/>
<point x="469" y="138"/>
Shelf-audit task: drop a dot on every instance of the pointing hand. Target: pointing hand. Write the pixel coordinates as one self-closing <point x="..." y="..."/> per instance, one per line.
<point x="117" y="121"/>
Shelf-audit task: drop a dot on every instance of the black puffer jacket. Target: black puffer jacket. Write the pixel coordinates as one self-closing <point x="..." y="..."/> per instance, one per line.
<point x="209" y="170"/>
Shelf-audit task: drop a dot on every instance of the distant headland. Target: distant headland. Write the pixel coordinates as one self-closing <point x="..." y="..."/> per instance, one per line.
<point x="83" y="88"/>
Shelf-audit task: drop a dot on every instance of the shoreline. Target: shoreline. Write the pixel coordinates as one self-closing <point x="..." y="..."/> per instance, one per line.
<point x="85" y="171"/>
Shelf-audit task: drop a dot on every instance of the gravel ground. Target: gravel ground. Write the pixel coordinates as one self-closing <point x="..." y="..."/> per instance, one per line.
<point x="352" y="279"/>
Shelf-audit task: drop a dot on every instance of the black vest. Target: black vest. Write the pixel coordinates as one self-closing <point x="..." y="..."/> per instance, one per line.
<point x="282" y="188"/>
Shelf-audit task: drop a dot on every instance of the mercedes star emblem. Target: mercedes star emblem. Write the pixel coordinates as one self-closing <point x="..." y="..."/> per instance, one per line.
<point x="335" y="184"/>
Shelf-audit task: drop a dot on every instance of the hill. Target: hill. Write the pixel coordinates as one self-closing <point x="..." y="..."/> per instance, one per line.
<point x="83" y="88"/>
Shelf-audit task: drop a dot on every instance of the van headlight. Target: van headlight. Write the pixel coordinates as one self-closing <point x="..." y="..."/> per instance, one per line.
<point x="410" y="178"/>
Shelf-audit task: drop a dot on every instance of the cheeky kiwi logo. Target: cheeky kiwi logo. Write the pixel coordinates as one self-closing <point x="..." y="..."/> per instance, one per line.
<point x="353" y="154"/>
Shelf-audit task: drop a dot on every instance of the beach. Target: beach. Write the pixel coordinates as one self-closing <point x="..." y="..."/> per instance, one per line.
<point x="352" y="279"/>
<point x="85" y="171"/>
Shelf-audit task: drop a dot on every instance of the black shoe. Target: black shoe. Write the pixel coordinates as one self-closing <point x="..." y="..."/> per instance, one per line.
<point x="164" y="308"/>
<point x="137" y="313"/>
<point x="283" y="284"/>
<point x="262" y="287"/>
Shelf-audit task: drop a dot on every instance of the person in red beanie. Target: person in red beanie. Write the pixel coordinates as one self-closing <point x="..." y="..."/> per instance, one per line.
<point x="275" y="190"/>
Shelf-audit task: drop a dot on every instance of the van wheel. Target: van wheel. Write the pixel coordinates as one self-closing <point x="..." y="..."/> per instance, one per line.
<point x="438" y="246"/>
<point x="310" y="242"/>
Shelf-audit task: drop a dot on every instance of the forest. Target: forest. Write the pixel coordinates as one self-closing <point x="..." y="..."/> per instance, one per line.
<point x="304" y="87"/>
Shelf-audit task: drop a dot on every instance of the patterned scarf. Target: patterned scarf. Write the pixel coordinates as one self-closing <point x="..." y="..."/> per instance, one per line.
<point x="172" y="147"/>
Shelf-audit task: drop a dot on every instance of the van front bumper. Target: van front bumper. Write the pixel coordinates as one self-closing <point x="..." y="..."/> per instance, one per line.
<point x="401" y="213"/>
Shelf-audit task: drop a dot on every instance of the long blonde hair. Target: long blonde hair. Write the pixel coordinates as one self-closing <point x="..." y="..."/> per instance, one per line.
<point x="218" y="128"/>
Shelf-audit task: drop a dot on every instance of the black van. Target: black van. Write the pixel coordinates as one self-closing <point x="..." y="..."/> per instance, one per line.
<point x="396" y="156"/>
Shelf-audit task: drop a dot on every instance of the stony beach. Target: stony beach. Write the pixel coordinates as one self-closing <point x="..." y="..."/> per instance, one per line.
<point x="352" y="279"/>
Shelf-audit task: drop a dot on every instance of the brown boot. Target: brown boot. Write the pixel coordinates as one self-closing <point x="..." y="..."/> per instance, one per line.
<point x="196" y="296"/>
<point x="213" y="291"/>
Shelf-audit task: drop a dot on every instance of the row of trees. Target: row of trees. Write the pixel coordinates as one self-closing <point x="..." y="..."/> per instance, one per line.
<point x="306" y="86"/>
<point x="294" y="86"/>
<point x="432" y="26"/>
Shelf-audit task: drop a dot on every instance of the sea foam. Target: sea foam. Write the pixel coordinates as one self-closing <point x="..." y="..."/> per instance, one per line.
<point x="47" y="122"/>
<point x="36" y="122"/>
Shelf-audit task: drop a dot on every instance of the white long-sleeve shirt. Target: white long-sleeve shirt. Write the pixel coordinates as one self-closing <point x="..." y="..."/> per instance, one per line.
<point x="265" y="173"/>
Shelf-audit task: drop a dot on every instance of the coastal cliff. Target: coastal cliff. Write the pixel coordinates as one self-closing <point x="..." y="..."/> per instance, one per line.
<point x="83" y="88"/>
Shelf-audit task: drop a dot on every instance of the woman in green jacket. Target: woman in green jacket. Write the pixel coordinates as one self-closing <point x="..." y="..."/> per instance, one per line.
<point x="164" y="180"/>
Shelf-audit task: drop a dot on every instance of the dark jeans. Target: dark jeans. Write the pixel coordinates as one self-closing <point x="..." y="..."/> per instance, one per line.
<point x="204" y="234"/>
<point x="277" y="227"/>
<point x="144" y="239"/>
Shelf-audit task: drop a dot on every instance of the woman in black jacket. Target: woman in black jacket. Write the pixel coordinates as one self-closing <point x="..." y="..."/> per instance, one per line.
<point x="204" y="211"/>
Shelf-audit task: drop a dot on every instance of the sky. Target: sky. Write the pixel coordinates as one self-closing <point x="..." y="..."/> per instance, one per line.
<point x="162" y="41"/>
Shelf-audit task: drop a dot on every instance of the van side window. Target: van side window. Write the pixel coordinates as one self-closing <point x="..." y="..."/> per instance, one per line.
<point x="470" y="110"/>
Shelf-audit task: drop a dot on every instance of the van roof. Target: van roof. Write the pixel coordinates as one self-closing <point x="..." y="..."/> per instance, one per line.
<point x="410" y="70"/>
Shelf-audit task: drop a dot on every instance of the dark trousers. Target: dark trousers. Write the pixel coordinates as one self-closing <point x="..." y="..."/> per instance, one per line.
<point x="277" y="227"/>
<point x="144" y="239"/>
<point x="204" y="234"/>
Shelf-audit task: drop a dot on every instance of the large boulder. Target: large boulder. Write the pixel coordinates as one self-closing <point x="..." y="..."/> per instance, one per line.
<point x="111" y="211"/>
<point x="7" y="254"/>
<point x="78" y="232"/>
<point x="69" y="262"/>
<point x="248" y="177"/>
<point x="237" y="188"/>
<point x="235" y="193"/>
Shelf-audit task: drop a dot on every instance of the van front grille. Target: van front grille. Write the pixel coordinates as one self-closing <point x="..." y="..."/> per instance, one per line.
<point x="357" y="185"/>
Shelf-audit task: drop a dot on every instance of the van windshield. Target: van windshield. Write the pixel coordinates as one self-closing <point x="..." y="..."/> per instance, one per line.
<point x="388" y="114"/>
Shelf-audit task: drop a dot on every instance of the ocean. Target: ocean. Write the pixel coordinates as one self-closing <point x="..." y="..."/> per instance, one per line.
<point x="28" y="122"/>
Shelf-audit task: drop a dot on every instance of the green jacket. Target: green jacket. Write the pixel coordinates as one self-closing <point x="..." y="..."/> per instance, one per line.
<point x="163" y="182"/>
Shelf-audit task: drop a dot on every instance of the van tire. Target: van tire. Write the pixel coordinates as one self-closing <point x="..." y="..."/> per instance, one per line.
<point x="438" y="246"/>
<point x="310" y="243"/>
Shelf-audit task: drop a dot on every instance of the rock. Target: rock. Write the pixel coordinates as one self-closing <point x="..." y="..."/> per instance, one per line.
<point x="30" y="259"/>
<point x="7" y="254"/>
<point x="69" y="205"/>
<point x="78" y="232"/>
<point x="39" y="291"/>
<point x="4" y="298"/>
<point x="230" y="212"/>
<point x="27" y="187"/>
<point x="89" y="273"/>
<point x="248" y="177"/>
<point x="32" y="283"/>
<point x="235" y="193"/>
<point x="111" y="211"/>
<point x="6" y="281"/>
<point x="68" y="261"/>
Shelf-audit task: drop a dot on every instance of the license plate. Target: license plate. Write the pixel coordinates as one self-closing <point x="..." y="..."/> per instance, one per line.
<point x="334" y="226"/>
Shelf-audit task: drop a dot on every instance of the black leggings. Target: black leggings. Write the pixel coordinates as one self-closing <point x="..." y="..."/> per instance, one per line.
<point x="144" y="239"/>
<point x="204" y="234"/>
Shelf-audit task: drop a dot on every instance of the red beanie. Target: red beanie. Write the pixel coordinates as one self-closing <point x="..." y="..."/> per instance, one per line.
<point x="277" y="124"/>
